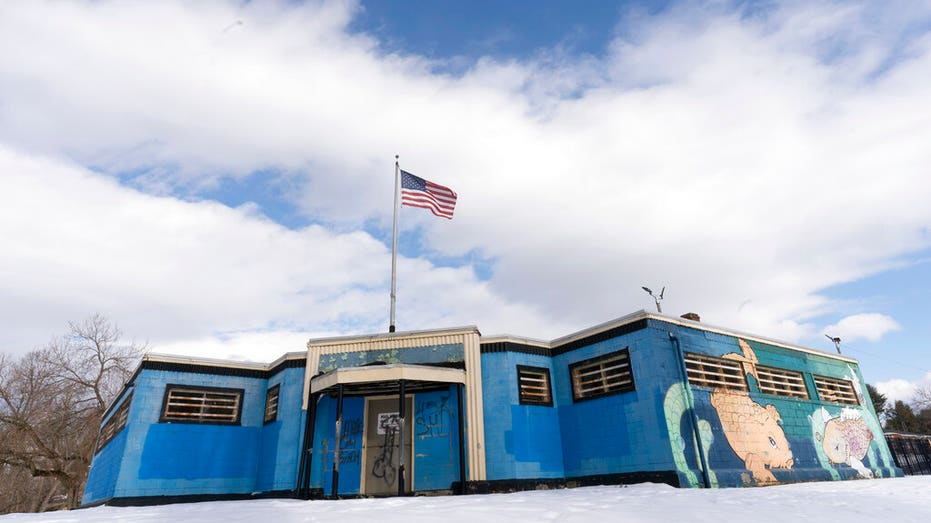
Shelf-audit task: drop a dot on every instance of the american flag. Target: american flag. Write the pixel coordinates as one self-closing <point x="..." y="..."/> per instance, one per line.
<point x="417" y="192"/>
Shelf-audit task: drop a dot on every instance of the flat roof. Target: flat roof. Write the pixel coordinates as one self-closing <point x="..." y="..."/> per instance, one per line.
<point x="228" y="364"/>
<point x="469" y="329"/>
<point x="645" y="315"/>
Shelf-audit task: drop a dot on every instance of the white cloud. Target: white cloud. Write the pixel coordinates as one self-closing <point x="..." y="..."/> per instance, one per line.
<point x="870" y="326"/>
<point x="722" y="156"/>
<point x="903" y="390"/>
<point x="186" y="276"/>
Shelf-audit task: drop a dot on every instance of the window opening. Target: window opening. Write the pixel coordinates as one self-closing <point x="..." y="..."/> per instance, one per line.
<point x="602" y="376"/>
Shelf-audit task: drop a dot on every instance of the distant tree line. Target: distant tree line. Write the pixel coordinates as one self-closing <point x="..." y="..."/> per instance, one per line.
<point x="52" y="400"/>
<point x="901" y="416"/>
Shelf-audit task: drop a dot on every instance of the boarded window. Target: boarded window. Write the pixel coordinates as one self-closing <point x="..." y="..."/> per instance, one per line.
<point x="115" y="424"/>
<point x="717" y="373"/>
<point x="202" y="404"/>
<point x="833" y="389"/>
<point x="271" y="404"/>
<point x="534" y="385"/>
<point x="602" y="376"/>
<point x="782" y="382"/>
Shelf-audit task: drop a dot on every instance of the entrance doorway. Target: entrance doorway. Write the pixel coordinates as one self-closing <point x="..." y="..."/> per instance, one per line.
<point x="382" y="446"/>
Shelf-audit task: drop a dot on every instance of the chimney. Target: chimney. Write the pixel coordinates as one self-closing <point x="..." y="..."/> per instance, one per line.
<point x="691" y="316"/>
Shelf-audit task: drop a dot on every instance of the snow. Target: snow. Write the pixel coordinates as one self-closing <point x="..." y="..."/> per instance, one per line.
<point x="899" y="500"/>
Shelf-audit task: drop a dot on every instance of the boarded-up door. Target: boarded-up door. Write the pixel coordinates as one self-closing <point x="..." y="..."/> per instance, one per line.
<point x="382" y="441"/>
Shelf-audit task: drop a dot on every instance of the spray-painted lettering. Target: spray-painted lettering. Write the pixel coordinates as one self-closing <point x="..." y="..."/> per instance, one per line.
<point x="433" y="418"/>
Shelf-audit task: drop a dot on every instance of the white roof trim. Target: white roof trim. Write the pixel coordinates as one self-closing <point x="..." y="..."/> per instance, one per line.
<point x="746" y="336"/>
<point x="642" y="314"/>
<point x="506" y="338"/>
<point x="356" y="338"/>
<point x="214" y="362"/>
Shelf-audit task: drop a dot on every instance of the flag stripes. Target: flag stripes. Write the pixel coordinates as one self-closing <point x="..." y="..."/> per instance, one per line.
<point x="417" y="192"/>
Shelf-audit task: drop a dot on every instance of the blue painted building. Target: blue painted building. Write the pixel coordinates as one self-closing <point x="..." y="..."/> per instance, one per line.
<point x="643" y="397"/>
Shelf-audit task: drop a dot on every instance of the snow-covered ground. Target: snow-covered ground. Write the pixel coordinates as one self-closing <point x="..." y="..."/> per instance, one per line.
<point x="881" y="500"/>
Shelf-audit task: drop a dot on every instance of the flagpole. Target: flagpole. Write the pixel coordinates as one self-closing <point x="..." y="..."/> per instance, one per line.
<point x="394" y="242"/>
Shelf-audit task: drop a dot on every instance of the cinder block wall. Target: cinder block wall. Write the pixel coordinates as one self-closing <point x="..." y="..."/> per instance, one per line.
<point x="754" y="438"/>
<point x="105" y="469"/>
<point x="621" y="433"/>
<point x="280" y="444"/>
<point x="521" y="441"/>
<point x="166" y="459"/>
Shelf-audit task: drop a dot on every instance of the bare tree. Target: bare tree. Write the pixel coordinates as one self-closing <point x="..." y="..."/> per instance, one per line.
<point x="51" y="404"/>
<point x="23" y="493"/>
<point x="922" y="398"/>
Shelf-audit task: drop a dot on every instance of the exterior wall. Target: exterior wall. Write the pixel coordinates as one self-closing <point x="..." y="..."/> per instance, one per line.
<point x="435" y="442"/>
<point x="167" y="459"/>
<point x="436" y="439"/>
<point x="521" y="441"/>
<point x="281" y="439"/>
<point x="665" y="425"/>
<point x="620" y="433"/>
<point x="324" y="445"/>
<point x="104" y="471"/>
<point x="650" y="429"/>
<point x="753" y="438"/>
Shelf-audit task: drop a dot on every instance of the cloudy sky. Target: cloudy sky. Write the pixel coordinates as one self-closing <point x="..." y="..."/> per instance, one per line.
<point x="216" y="177"/>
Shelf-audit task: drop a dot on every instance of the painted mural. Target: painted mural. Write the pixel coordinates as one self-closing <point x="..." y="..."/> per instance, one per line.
<point x="753" y="431"/>
<point x="757" y="433"/>
<point x="843" y="439"/>
<point x="676" y="406"/>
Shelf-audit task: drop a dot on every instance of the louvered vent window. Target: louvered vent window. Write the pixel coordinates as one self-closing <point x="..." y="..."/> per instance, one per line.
<point x="534" y="385"/>
<point x="782" y="382"/>
<point x="271" y="404"/>
<point x="202" y="405"/>
<point x="838" y="391"/>
<point x="602" y="376"/>
<point x="716" y="373"/>
<point x="115" y="424"/>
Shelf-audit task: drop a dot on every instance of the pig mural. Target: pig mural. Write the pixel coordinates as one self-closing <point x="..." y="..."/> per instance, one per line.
<point x="845" y="438"/>
<point x="752" y="430"/>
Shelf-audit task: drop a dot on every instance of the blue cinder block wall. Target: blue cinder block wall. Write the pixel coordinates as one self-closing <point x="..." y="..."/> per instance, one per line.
<point x="153" y="458"/>
<point x="103" y="474"/>
<point x="619" y="433"/>
<point x="652" y="429"/>
<point x="521" y="441"/>
<point x="436" y="439"/>
<point x="279" y="454"/>
<point x="614" y="434"/>
<point x="324" y="445"/>
<point x="165" y="459"/>
<point x="666" y="424"/>
<point x="788" y="441"/>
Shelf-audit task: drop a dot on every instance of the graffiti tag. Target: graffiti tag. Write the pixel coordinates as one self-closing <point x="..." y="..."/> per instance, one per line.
<point x="433" y="418"/>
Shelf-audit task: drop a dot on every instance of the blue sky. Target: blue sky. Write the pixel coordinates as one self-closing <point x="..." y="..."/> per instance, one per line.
<point x="471" y="30"/>
<point x="226" y="192"/>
